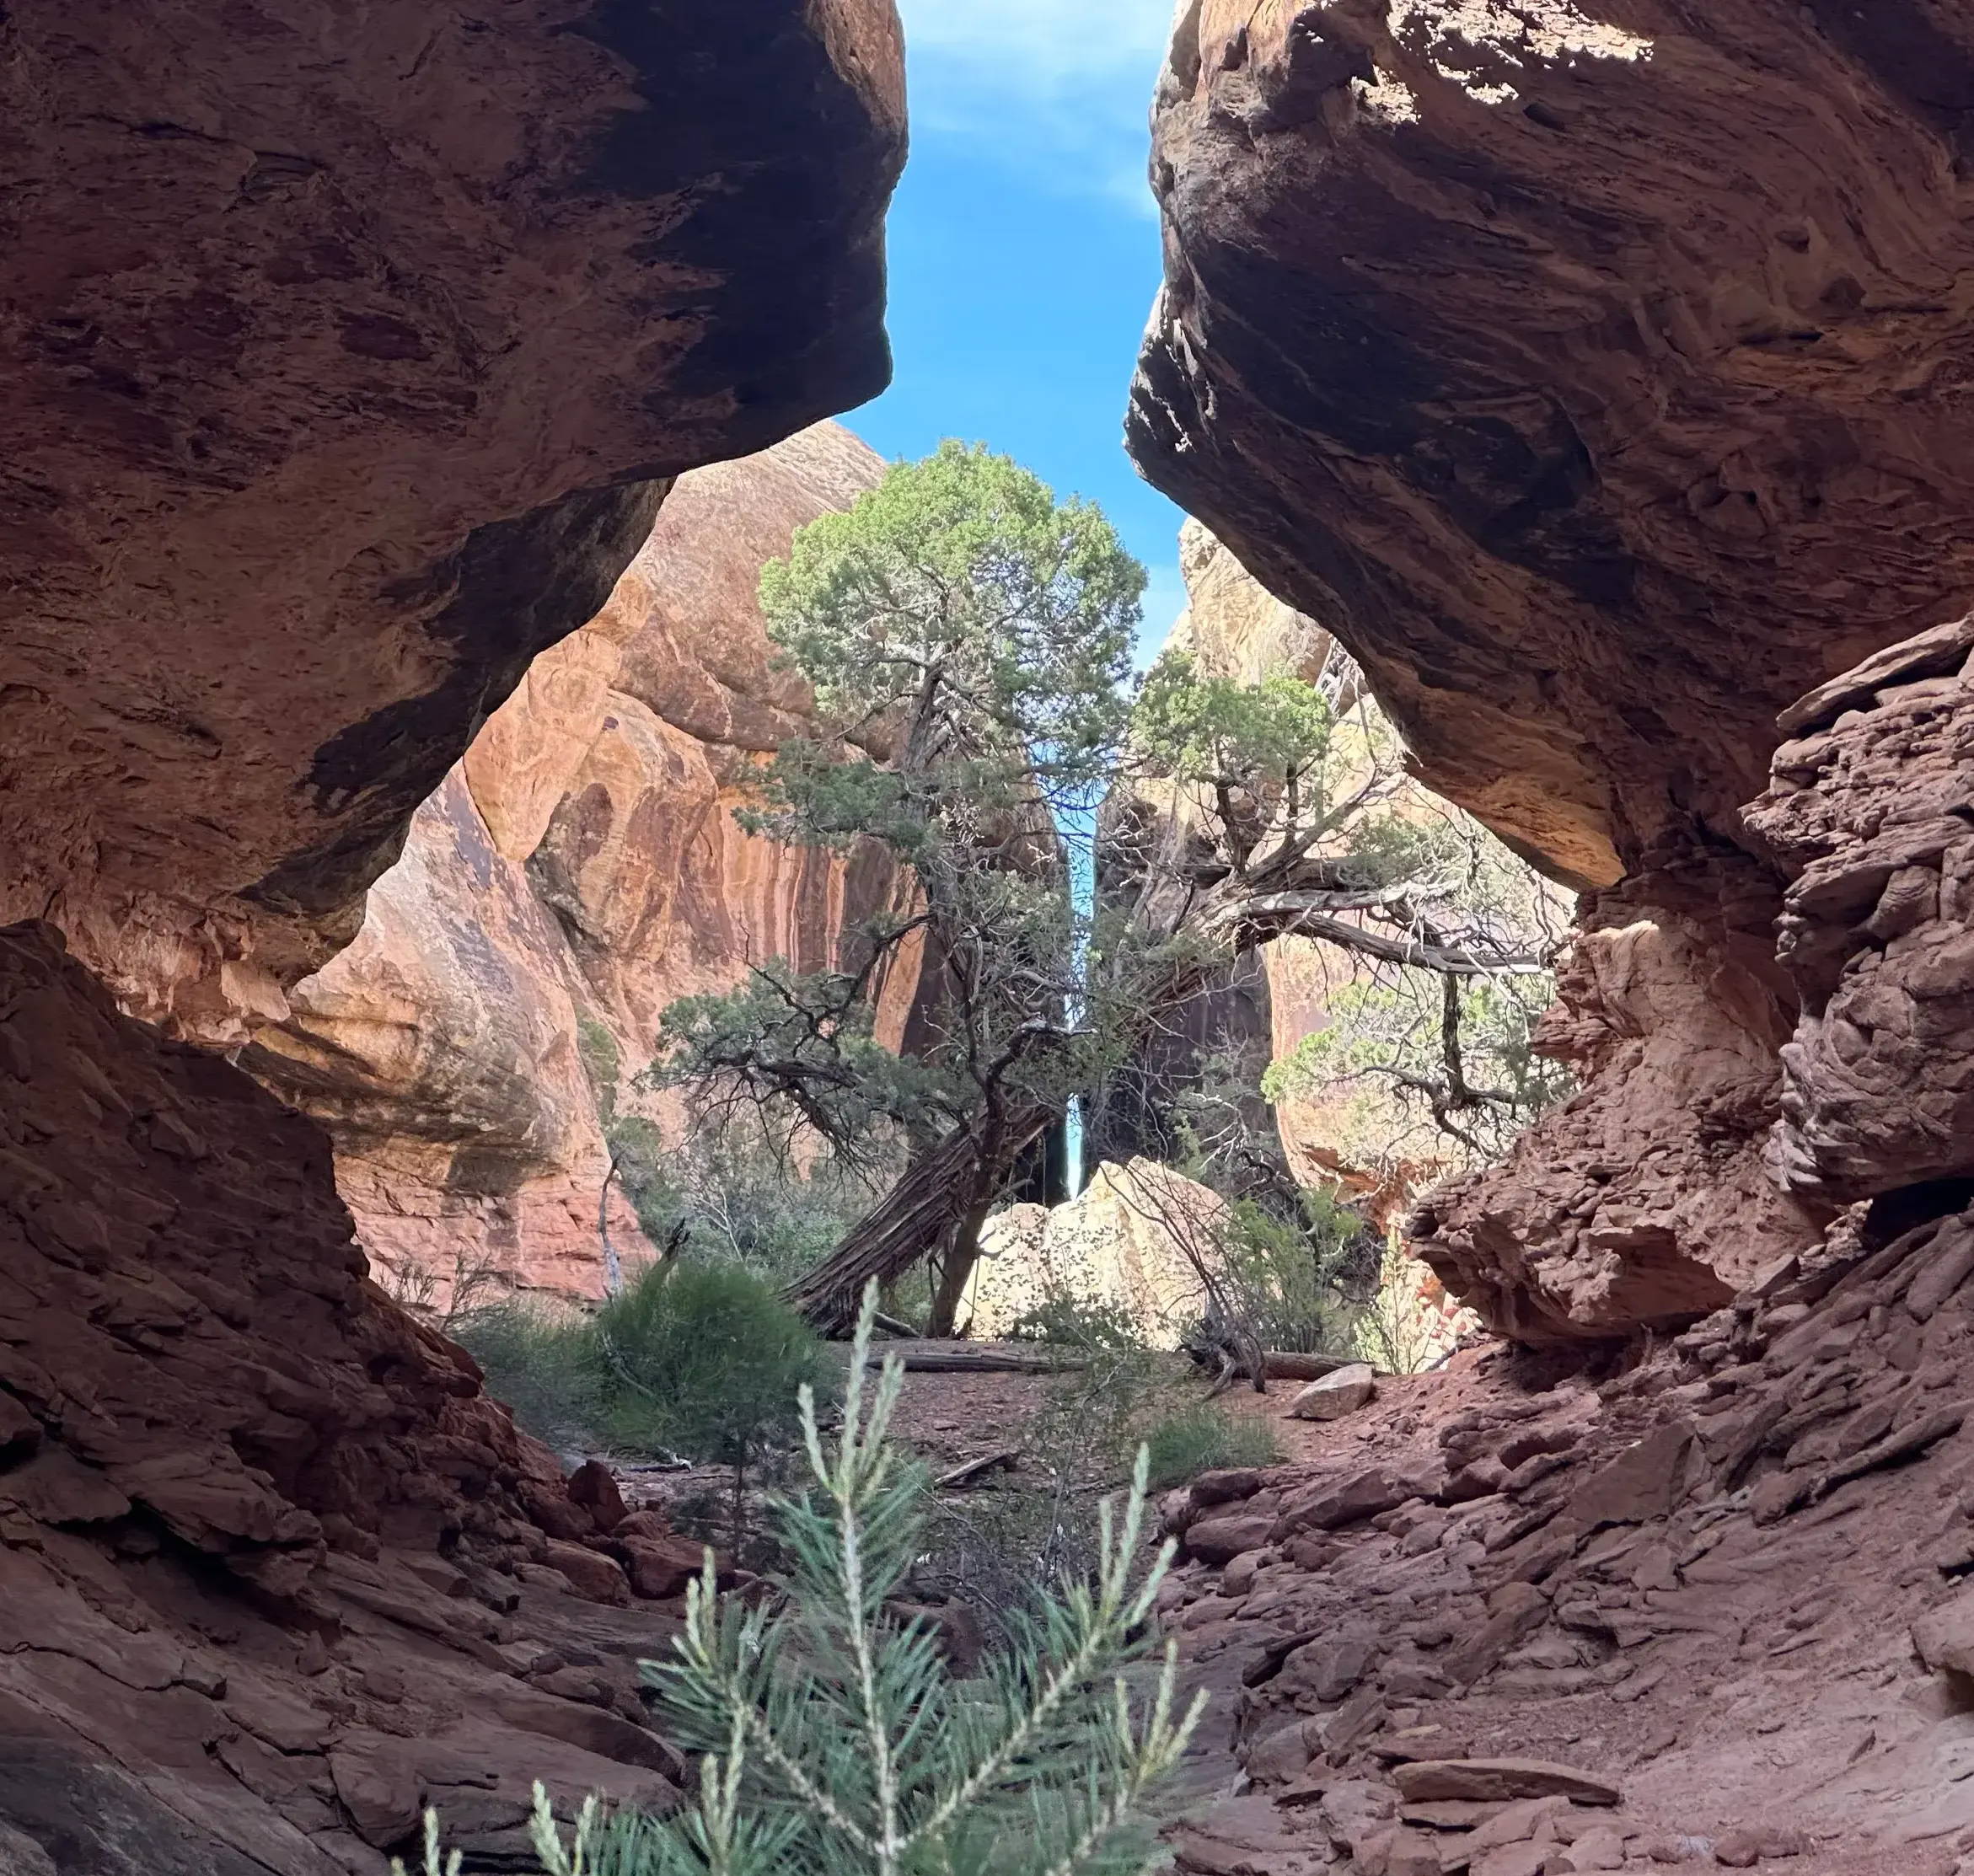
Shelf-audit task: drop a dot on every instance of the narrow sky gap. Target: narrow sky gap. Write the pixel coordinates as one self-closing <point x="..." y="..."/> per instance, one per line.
<point x="1025" y="251"/>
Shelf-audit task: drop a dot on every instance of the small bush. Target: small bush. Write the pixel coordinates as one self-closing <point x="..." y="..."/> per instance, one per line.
<point x="1290" y="1278"/>
<point x="1072" y="1321"/>
<point x="542" y="1362"/>
<point x="706" y="1361"/>
<point x="1202" y="1440"/>
<point x="830" y="1736"/>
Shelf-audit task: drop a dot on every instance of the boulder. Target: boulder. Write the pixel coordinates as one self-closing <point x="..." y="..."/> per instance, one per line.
<point x="590" y="1572"/>
<point x="1502" y="1778"/>
<point x="1336" y="1395"/>
<point x="1221" y="1540"/>
<point x="660" y="1567"/>
<point x="1329" y="1506"/>
<point x="593" y="1486"/>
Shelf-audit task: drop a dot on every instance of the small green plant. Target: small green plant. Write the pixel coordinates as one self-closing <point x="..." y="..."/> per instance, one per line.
<point x="834" y="1740"/>
<point x="541" y="1364"/>
<point x="1203" y="1439"/>
<point x="1068" y="1321"/>
<point x="704" y="1360"/>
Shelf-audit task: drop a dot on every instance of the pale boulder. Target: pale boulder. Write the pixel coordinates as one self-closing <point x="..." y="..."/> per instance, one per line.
<point x="1336" y="1395"/>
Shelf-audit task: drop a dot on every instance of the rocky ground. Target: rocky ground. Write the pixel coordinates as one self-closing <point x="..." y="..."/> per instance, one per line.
<point x="1704" y="1610"/>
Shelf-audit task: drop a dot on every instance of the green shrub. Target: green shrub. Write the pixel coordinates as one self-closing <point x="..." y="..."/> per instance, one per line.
<point x="706" y="1361"/>
<point x="1072" y="1321"/>
<point x="1202" y="1439"/>
<point x="542" y="1362"/>
<point x="831" y="1739"/>
<point x="1286" y="1278"/>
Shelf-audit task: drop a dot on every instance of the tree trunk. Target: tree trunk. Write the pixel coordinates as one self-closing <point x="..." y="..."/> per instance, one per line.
<point x="962" y="1252"/>
<point x="937" y="1199"/>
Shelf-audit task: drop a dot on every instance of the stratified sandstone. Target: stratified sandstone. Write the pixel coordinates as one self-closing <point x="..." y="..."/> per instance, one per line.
<point x="1592" y="370"/>
<point x="273" y="1571"/>
<point x="1642" y="1201"/>
<point x="1872" y="809"/>
<point x="1602" y="408"/>
<point x="578" y="870"/>
<point x="349" y="351"/>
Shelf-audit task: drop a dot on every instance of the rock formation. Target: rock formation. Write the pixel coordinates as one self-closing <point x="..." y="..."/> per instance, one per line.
<point x="272" y="1570"/>
<point x="577" y="869"/>
<point x="1548" y="358"/>
<point x="1707" y="1611"/>
<point x="1601" y="415"/>
<point x="350" y="356"/>
<point x="351" y="353"/>
<point x="1125" y="1243"/>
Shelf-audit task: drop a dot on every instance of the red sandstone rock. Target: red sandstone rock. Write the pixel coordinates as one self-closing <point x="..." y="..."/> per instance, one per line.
<point x="1493" y="1779"/>
<point x="661" y="1567"/>
<point x="593" y="1486"/>
<point x="218" y="1384"/>
<point x="578" y="870"/>
<point x="347" y="359"/>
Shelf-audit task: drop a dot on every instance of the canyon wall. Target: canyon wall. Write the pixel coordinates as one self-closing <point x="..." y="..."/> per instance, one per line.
<point x="1591" y="372"/>
<point x="351" y="352"/>
<point x="577" y="869"/>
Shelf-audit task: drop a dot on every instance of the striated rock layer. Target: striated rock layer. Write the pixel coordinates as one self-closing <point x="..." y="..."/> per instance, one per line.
<point x="577" y="869"/>
<point x="1592" y="370"/>
<point x="349" y="352"/>
<point x="273" y="1571"/>
<point x="1709" y="1611"/>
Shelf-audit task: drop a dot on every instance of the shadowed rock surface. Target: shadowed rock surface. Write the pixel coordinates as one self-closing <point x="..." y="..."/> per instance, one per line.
<point x="273" y="1570"/>
<point x="1591" y="369"/>
<point x="349" y="353"/>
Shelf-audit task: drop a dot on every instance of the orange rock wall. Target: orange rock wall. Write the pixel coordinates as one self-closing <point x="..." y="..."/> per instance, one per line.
<point x="579" y="867"/>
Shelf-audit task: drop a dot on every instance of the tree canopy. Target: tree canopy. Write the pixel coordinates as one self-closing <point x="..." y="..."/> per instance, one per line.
<point x="968" y="637"/>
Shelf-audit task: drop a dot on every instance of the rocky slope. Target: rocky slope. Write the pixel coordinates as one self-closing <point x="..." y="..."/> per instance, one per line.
<point x="1602" y="408"/>
<point x="273" y="1571"/>
<point x="1719" y="1599"/>
<point x="350" y="355"/>
<point x="577" y="869"/>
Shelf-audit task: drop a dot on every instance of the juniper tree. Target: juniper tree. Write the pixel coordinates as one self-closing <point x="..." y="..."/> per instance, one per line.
<point x="967" y="637"/>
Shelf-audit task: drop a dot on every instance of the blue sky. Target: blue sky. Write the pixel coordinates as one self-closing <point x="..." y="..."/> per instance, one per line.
<point x="1024" y="249"/>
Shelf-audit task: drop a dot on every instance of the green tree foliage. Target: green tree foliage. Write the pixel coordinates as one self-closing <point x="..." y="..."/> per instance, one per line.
<point x="967" y="636"/>
<point x="836" y="1741"/>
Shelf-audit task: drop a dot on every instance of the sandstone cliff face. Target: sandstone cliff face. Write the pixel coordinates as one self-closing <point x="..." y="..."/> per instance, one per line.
<point x="1601" y="411"/>
<point x="350" y="352"/>
<point x="577" y="869"/>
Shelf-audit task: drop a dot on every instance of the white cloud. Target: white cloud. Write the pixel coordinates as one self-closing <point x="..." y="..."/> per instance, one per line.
<point x="1046" y="41"/>
<point x="1059" y="88"/>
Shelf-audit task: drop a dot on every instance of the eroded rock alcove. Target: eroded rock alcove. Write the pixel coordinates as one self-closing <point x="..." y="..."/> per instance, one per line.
<point x="351" y="355"/>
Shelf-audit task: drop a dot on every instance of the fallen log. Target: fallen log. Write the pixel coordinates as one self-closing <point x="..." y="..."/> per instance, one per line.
<point x="1289" y="1364"/>
<point x="981" y="1358"/>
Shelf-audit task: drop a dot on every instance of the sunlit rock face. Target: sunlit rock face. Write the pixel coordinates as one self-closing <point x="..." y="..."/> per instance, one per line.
<point x="1601" y="413"/>
<point x="577" y="870"/>
<point x="350" y="350"/>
